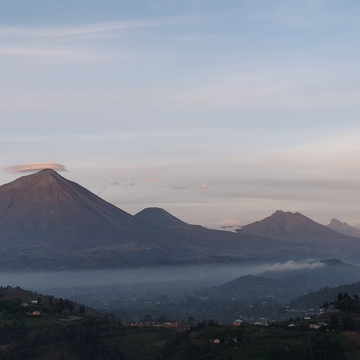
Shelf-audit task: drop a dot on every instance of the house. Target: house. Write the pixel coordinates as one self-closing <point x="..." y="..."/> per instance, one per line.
<point x="261" y="323"/>
<point x="129" y="324"/>
<point x="171" y="324"/>
<point x="322" y="324"/>
<point x="237" y="322"/>
<point x="216" y="341"/>
<point x="35" y="313"/>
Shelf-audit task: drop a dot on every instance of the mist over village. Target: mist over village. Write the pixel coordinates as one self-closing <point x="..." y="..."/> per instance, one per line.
<point x="179" y="180"/>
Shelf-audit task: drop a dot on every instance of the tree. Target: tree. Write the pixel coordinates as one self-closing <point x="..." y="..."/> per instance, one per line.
<point x="334" y="322"/>
<point x="347" y="304"/>
<point x="147" y="318"/>
<point x="59" y="306"/>
<point x="81" y="310"/>
<point x="348" y="323"/>
<point x="69" y="305"/>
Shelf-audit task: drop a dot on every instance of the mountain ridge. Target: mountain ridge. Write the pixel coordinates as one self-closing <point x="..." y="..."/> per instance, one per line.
<point x="47" y="221"/>
<point x="293" y="227"/>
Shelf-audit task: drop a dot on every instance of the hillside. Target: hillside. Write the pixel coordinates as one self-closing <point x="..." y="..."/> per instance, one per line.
<point x="280" y="287"/>
<point x="315" y="299"/>
<point x="56" y="329"/>
<point x="274" y="342"/>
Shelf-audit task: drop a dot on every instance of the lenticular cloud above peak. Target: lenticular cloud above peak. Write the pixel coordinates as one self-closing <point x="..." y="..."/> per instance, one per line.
<point x="35" y="167"/>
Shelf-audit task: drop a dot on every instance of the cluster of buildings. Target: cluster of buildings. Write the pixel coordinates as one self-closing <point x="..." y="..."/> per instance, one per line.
<point x="262" y="322"/>
<point x="166" y="324"/>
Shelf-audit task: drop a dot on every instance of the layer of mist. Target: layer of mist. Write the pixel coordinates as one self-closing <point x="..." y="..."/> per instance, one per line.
<point x="212" y="274"/>
<point x="218" y="291"/>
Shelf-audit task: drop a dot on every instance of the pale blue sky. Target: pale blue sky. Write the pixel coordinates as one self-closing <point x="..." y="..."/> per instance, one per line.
<point x="212" y="110"/>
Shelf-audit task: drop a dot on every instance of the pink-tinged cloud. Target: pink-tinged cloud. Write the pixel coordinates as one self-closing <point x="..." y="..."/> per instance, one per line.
<point x="202" y="185"/>
<point x="153" y="179"/>
<point x="36" y="166"/>
<point x="113" y="182"/>
<point x="228" y="223"/>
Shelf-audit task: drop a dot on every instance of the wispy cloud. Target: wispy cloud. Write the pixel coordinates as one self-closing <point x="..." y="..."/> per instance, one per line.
<point x="259" y="89"/>
<point x="290" y="266"/>
<point x="229" y="223"/>
<point x="72" y="43"/>
<point x="202" y="185"/>
<point x="113" y="182"/>
<point x="89" y="29"/>
<point x="52" y="54"/>
<point x="35" y="167"/>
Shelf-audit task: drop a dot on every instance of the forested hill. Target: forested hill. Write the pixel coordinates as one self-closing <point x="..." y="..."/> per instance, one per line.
<point x="317" y="298"/>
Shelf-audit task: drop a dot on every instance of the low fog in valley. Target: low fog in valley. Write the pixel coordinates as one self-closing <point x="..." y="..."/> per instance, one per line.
<point x="212" y="291"/>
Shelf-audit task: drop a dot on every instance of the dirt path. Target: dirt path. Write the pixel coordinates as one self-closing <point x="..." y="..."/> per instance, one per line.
<point x="353" y="335"/>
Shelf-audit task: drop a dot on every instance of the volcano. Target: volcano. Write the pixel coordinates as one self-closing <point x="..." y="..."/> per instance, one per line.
<point x="45" y="208"/>
<point x="294" y="227"/>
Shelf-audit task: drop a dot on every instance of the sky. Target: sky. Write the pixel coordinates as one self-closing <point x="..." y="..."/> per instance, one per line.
<point x="220" y="112"/>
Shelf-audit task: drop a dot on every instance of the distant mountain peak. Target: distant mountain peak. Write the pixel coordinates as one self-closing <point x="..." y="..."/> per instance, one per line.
<point x="47" y="208"/>
<point x="336" y="221"/>
<point x="343" y="228"/>
<point x="160" y="217"/>
<point x="293" y="227"/>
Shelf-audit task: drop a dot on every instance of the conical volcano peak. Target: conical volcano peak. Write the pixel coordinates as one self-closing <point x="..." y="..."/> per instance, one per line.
<point x="159" y="217"/>
<point x="284" y="214"/>
<point x="44" y="176"/>
<point x="47" y="207"/>
<point x="47" y="173"/>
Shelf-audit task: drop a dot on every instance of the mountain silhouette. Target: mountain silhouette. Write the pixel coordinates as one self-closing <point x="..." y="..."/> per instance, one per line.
<point x="45" y="208"/>
<point x="47" y="221"/>
<point x="159" y="217"/>
<point x="343" y="228"/>
<point x="293" y="227"/>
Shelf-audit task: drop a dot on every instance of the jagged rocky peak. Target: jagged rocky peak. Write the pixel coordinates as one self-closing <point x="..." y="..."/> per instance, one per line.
<point x="343" y="228"/>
